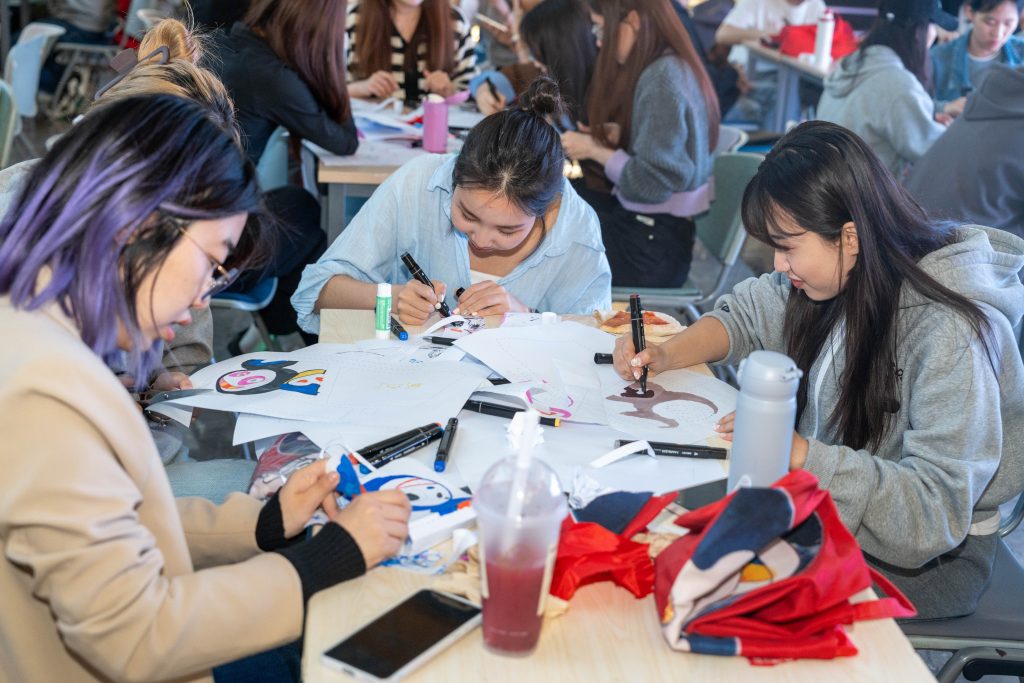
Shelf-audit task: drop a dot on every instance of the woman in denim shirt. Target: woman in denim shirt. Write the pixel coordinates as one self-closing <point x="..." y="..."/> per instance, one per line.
<point x="957" y="65"/>
<point x="498" y="225"/>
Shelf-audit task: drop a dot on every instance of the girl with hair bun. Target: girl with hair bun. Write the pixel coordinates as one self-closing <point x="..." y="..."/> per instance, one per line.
<point x="498" y="225"/>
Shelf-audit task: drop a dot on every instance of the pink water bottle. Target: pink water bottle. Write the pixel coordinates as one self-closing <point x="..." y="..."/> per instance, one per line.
<point x="435" y="124"/>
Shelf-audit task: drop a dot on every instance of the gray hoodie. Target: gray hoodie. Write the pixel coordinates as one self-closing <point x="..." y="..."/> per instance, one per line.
<point x="885" y="104"/>
<point x="975" y="171"/>
<point x="924" y="506"/>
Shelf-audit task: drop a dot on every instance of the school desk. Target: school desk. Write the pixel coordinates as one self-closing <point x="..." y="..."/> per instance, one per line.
<point x="606" y="635"/>
<point x="789" y="72"/>
<point x="356" y="175"/>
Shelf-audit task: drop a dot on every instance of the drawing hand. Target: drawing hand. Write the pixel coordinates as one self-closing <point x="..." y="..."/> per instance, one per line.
<point x="725" y="426"/>
<point x="303" y="493"/>
<point x="629" y="364"/>
<point x="171" y="381"/>
<point x="378" y="522"/>
<point x="416" y="301"/>
<point x="487" y="298"/>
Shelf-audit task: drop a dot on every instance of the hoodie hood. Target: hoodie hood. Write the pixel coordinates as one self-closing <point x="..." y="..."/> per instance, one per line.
<point x="1000" y="95"/>
<point x="981" y="265"/>
<point x="861" y="66"/>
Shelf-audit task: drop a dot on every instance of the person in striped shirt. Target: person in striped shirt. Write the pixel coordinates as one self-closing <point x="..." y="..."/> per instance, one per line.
<point x="415" y="46"/>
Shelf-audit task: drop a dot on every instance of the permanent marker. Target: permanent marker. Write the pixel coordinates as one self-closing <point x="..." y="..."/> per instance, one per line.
<point x="418" y="274"/>
<point x="509" y="412"/>
<point x="406" y="447"/>
<point x="444" y="448"/>
<point x="441" y="341"/>
<point x="636" y="320"/>
<point x="603" y="358"/>
<point x="398" y="330"/>
<point x="683" y="450"/>
<point x="374" y="449"/>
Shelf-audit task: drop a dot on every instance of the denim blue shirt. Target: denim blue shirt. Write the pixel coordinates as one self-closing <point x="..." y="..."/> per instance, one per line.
<point x="411" y="211"/>
<point x="950" y="72"/>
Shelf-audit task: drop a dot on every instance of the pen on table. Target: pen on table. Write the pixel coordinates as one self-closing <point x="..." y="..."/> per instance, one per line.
<point x="636" y="321"/>
<point x="398" y="330"/>
<point x="603" y="358"/>
<point x="374" y="449"/>
<point x="509" y="412"/>
<point x="445" y="447"/>
<point x="418" y="274"/>
<point x="441" y="341"/>
<point x="682" y="450"/>
<point x="406" y="447"/>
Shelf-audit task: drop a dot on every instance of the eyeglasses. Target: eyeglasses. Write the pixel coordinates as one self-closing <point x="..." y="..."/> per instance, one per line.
<point x="224" y="276"/>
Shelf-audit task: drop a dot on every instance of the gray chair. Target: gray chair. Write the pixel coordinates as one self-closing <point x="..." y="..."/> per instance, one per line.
<point x="720" y="230"/>
<point x="990" y="641"/>
<point x="8" y="121"/>
<point x="730" y="139"/>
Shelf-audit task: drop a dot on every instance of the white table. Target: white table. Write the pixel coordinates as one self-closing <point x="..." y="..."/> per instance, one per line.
<point x="606" y="635"/>
<point x="789" y="72"/>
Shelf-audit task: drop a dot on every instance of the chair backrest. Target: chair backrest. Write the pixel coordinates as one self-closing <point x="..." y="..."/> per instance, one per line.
<point x="8" y="118"/>
<point x="730" y="139"/>
<point x="272" y="169"/>
<point x="720" y="228"/>
<point x="21" y="71"/>
<point x="149" y="18"/>
<point x="51" y="32"/>
<point x="134" y="25"/>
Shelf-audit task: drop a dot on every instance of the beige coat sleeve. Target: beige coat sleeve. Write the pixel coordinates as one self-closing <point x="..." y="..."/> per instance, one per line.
<point x="70" y="517"/>
<point x="220" y="534"/>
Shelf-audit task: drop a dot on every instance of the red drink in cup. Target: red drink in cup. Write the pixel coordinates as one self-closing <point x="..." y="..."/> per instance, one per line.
<point x="518" y="553"/>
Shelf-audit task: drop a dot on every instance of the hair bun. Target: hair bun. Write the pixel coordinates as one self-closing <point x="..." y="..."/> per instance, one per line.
<point x="181" y="42"/>
<point x="543" y="99"/>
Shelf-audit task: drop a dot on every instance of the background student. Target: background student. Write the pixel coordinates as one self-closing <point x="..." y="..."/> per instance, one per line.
<point x="958" y="65"/>
<point x="975" y="171"/>
<point x="881" y="91"/>
<point x="559" y="36"/>
<point x="126" y="224"/>
<point x="498" y="220"/>
<point x="415" y="46"/>
<point x="889" y="315"/>
<point x="284" y="65"/>
<point x="653" y="123"/>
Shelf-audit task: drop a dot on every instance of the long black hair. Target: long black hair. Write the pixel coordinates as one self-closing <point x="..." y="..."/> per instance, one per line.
<point x="907" y="38"/>
<point x="822" y="176"/>
<point x="517" y="153"/>
<point x="559" y="35"/>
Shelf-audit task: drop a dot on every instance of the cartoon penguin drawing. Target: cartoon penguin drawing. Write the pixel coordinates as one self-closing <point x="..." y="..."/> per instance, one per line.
<point x="424" y="494"/>
<point x="261" y="377"/>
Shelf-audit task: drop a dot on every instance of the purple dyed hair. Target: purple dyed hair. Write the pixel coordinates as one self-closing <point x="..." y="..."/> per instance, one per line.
<point x="104" y="207"/>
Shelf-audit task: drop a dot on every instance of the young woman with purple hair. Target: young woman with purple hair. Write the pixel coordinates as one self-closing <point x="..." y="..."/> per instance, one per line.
<point x="135" y="216"/>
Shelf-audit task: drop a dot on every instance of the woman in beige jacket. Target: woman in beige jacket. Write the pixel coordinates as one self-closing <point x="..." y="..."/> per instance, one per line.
<point x="136" y="215"/>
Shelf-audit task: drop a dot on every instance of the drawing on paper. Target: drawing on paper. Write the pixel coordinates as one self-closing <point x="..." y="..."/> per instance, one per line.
<point x="645" y="403"/>
<point x="261" y="377"/>
<point x="549" y="402"/>
<point x="424" y="494"/>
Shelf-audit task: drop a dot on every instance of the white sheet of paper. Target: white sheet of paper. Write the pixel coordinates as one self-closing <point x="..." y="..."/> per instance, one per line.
<point x="683" y="405"/>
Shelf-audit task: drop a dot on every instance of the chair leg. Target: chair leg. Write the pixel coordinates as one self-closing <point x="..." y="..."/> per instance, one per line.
<point x="261" y="327"/>
<point x="1007" y="660"/>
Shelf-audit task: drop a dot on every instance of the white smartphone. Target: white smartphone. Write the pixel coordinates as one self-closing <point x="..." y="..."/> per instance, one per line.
<point x="400" y="640"/>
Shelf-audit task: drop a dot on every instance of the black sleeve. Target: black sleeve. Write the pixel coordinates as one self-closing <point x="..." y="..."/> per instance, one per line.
<point x="330" y="557"/>
<point x="270" y="527"/>
<point x="290" y="103"/>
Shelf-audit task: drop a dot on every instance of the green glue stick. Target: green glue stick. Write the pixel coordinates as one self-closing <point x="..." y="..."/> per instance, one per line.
<point x="383" y="324"/>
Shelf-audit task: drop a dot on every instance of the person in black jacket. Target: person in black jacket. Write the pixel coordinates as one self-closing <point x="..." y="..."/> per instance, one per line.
<point x="285" y="66"/>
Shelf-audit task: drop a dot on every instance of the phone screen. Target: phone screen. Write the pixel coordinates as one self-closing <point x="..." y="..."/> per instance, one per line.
<point x="403" y="633"/>
<point x="702" y="494"/>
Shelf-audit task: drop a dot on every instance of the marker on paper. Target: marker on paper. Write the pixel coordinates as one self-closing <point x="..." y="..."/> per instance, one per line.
<point x="398" y="330"/>
<point x="373" y="450"/>
<point x="406" y="447"/>
<point x="603" y="358"/>
<point x="445" y="447"/>
<point x="497" y="410"/>
<point x="440" y="341"/>
<point x="418" y="274"/>
<point x="683" y="450"/>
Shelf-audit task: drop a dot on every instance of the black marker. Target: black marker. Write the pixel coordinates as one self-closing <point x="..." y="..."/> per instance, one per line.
<point x="490" y="86"/>
<point x="398" y="330"/>
<point x="636" y="320"/>
<point x="406" y="447"/>
<point x="418" y="274"/>
<point x="445" y="447"/>
<point x="374" y="449"/>
<point x="441" y="341"/>
<point x="683" y="450"/>
<point x="603" y="358"/>
<point x="459" y="291"/>
<point x="509" y="412"/>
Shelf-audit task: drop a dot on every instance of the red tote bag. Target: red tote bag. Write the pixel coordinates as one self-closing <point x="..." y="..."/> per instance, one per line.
<point x="768" y="573"/>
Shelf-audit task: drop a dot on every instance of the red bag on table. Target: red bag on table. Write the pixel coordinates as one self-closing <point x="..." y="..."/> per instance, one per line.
<point x="797" y="40"/>
<point x="768" y="573"/>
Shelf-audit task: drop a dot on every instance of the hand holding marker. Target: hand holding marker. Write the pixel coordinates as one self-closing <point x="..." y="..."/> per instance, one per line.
<point x="636" y="320"/>
<point x="420" y="276"/>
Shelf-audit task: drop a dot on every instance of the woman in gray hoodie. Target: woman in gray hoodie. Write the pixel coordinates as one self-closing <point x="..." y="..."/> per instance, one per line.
<point x="909" y="410"/>
<point x="880" y="92"/>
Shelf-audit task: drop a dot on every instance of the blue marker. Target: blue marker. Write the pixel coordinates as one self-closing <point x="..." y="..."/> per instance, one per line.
<point x="398" y="330"/>
<point x="348" y="483"/>
<point x="445" y="447"/>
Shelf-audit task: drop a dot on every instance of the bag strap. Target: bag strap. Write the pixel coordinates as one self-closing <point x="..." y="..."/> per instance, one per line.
<point x="896" y="605"/>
